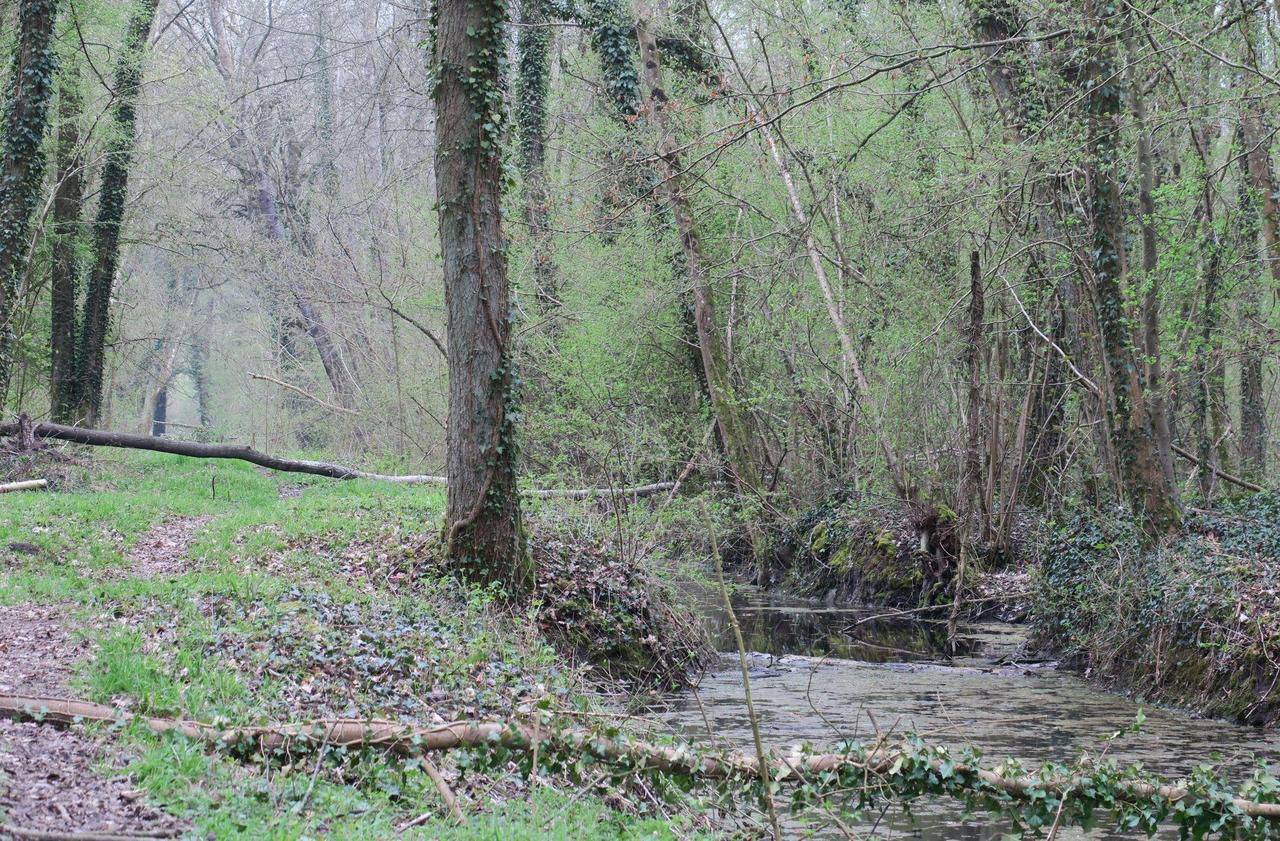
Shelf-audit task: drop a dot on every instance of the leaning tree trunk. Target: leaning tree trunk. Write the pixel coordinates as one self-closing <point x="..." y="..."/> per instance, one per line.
<point x="1150" y="493"/>
<point x="68" y="202"/>
<point x="114" y="190"/>
<point x="731" y="418"/>
<point x="484" y="535"/>
<point x="22" y="164"/>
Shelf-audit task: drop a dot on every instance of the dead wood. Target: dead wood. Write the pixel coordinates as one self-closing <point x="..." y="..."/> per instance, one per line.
<point x="26" y="485"/>
<point x="195" y="449"/>
<point x="1221" y="474"/>
<point x="47" y="835"/>
<point x="409" y="739"/>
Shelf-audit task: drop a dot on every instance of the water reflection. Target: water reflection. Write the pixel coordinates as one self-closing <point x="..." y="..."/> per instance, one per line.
<point x="893" y="676"/>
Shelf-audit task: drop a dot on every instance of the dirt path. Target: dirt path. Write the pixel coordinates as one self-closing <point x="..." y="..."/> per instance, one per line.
<point x="50" y="779"/>
<point x="162" y="551"/>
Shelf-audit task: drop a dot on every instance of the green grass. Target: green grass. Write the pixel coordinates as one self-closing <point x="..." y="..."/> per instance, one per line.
<point x="289" y="607"/>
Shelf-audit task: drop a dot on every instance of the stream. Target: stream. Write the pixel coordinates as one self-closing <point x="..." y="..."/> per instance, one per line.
<point x="818" y="677"/>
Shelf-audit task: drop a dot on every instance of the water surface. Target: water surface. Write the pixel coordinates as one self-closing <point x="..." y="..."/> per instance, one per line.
<point x="820" y="674"/>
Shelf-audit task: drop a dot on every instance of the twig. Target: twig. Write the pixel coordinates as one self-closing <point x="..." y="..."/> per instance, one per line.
<point x="297" y="390"/>
<point x="445" y="792"/>
<point x="762" y="758"/>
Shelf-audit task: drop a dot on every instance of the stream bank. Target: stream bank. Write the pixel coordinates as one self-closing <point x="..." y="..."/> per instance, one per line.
<point x="822" y="674"/>
<point x="1192" y="621"/>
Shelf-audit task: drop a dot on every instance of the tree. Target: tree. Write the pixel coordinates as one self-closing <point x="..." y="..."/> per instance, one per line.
<point x="484" y="534"/>
<point x="731" y="417"/>
<point x="22" y="165"/>
<point x="531" y="122"/>
<point x="113" y="193"/>
<point x="68" y="205"/>
<point x="1144" y="481"/>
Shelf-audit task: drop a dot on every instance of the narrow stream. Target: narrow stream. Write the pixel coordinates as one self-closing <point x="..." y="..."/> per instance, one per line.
<point x="817" y="676"/>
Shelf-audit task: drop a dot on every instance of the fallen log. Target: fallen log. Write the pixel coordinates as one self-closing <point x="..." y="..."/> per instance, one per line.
<point x="241" y="452"/>
<point x="1221" y="474"/>
<point x="25" y="485"/>
<point x="408" y="739"/>
<point x="49" y="835"/>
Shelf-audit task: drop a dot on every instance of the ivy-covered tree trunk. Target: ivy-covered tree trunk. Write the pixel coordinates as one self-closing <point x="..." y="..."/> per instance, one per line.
<point x="68" y="204"/>
<point x="1150" y="493"/>
<point x="1152" y="371"/>
<point x="484" y="534"/>
<point x="112" y="194"/>
<point x="22" y="165"/>
<point x="731" y="417"/>
<point x="531" y="122"/>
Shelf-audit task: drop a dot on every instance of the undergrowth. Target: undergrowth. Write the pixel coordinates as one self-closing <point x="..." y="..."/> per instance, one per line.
<point x="1193" y="621"/>
<point x="328" y="602"/>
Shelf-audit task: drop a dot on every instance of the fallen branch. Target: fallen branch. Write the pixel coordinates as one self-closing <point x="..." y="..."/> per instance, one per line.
<point x="1221" y="474"/>
<point x="25" y="485"/>
<point x="332" y="407"/>
<point x="876" y="766"/>
<point x="194" y="449"/>
<point x="50" y="835"/>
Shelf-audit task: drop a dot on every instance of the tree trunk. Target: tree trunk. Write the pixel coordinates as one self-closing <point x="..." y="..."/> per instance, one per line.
<point x="22" y="165"/>
<point x="730" y="416"/>
<point x="159" y="415"/>
<point x="484" y="534"/>
<point x="1141" y="475"/>
<point x="1256" y="165"/>
<point x="113" y="192"/>
<point x="531" y="122"/>
<point x="68" y="202"/>
<point x="1253" y="424"/>
<point x="1008" y="66"/>
<point x="1152" y="375"/>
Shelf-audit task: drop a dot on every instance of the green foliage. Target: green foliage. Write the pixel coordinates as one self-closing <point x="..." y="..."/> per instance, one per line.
<point x="1189" y="621"/>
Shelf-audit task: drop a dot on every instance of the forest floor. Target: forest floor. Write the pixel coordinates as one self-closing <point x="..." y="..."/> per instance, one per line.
<point x="220" y="593"/>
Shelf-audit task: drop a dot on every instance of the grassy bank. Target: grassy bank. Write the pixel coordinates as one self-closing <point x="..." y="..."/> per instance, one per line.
<point x="220" y="593"/>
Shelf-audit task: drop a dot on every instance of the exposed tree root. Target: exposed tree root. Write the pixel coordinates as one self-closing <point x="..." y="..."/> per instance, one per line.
<point x="407" y="739"/>
<point x="195" y="449"/>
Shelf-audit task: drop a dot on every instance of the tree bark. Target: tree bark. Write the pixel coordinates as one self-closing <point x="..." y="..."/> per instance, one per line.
<point x="1253" y="422"/>
<point x="531" y="122"/>
<point x="1142" y="477"/>
<point x="1152" y="374"/>
<point x="731" y="418"/>
<point x="22" y="164"/>
<point x="68" y="204"/>
<point x="113" y="193"/>
<point x="1256" y="165"/>
<point x="484" y="534"/>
